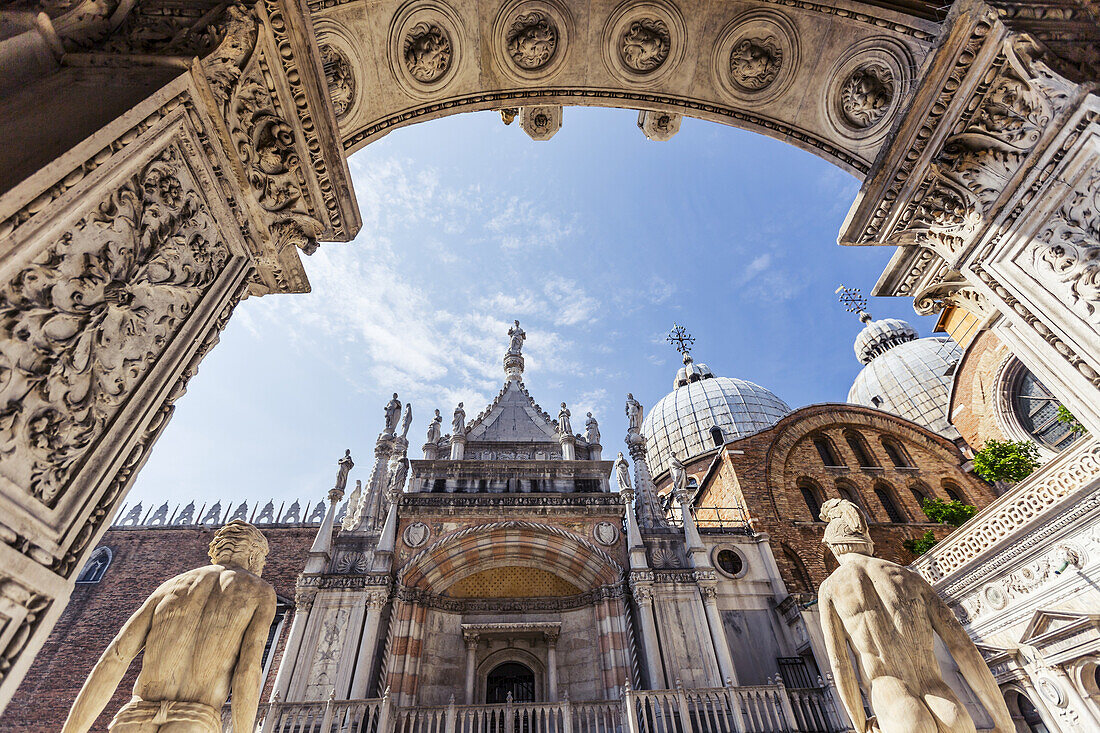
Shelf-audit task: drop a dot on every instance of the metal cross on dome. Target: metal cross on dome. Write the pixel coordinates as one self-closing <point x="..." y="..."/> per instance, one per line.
<point x="680" y="337"/>
<point x="851" y="299"/>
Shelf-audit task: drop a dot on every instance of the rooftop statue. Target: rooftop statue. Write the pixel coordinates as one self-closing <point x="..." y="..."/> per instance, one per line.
<point x="407" y="420"/>
<point x="563" y="421"/>
<point x="633" y="414"/>
<point x="889" y="614"/>
<point x="393" y="413"/>
<point x="435" y="429"/>
<point x="621" y="473"/>
<point x="346" y="464"/>
<point x="591" y="430"/>
<point x="678" y="475"/>
<point x="517" y="336"/>
<point x="458" y="422"/>
<point x="203" y="633"/>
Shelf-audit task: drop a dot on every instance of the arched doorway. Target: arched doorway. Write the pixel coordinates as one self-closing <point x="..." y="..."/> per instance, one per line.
<point x="510" y="678"/>
<point x="1024" y="713"/>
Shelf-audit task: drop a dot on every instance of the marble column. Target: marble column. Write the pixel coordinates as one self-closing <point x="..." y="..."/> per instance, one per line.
<point x="458" y="447"/>
<point x="552" y="667"/>
<point x="368" y="644"/>
<point x="568" y="448"/>
<point x="651" y="649"/>
<point x="303" y="602"/>
<point x="718" y="635"/>
<point x="471" y="666"/>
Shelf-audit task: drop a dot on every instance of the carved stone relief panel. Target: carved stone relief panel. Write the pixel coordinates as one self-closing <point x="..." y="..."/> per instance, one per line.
<point x="425" y="47"/>
<point x="866" y="88"/>
<point x="326" y="658"/>
<point x="85" y="320"/>
<point x="644" y="41"/>
<point x="659" y="126"/>
<point x="756" y="56"/>
<point x="341" y="82"/>
<point x="532" y="38"/>
<point x="540" y="123"/>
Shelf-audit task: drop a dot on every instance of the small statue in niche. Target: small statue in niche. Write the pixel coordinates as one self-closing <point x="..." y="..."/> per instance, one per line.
<point x="591" y="430"/>
<point x="203" y="633"/>
<point x="458" y="422"/>
<point x="889" y="616"/>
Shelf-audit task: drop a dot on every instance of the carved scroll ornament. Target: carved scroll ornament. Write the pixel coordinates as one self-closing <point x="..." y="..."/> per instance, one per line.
<point x="82" y="324"/>
<point x="1067" y="253"/>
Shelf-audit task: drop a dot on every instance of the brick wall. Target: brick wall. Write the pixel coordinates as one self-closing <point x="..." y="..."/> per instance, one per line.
<point x="143" y="559"/>
<point x="763" y="473"/>
<point x="974" y="398"/>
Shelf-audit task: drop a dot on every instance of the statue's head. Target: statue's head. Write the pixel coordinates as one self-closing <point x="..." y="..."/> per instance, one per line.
<point x="589" y="414"/>
<point x="630" y="395"/>
<point x="395" y="395"/>
<point x="239" y="543"/>
<point x="847" y="530"/>
<point x="437" y="413"/>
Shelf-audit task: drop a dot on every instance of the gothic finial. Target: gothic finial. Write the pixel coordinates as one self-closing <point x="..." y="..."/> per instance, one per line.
<point x="681" y="339"/>
<point x="853" y="302"/>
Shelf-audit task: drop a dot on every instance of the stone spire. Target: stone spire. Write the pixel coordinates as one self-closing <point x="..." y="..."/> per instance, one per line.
<point x="646" y="505"/>
<point x="322" y="544"/>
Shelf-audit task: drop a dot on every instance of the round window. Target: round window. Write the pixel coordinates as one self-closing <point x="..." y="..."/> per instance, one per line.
<point x="730" y="562"/>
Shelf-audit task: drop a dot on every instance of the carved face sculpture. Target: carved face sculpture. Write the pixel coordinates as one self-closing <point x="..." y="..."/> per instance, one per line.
<point x="754" y="62"/>
<point x="866" y="95"/>
<point x="645" y="45"/>
<point x="532" y="41"/>
<point x="427" y="52"/>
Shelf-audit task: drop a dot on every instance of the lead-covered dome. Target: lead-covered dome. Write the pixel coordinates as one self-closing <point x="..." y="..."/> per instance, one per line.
<point x="908" y="376"/>
<point x="682" y="422"/>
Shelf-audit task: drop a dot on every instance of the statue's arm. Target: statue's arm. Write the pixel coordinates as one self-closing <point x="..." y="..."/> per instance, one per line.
<point x="108" y="671"/>
<point x="246" y="675"/>
<point x="973" y="668"/>
<point x="836" y="646"/>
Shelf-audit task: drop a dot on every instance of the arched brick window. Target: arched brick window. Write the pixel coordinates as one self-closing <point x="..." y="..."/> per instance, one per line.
<point x="96" y="566"/>
<point x="896" y="453"/>
<point x="800" y="576"/>
<point x="859" y="448"/>
<point x="920" y="492"/>
<point x="825" y="449"/>
<point x="954" y="492"/>
<point x="849" y="492"/>
<point x="885" y="496"/>
<point x="813" y="497"/>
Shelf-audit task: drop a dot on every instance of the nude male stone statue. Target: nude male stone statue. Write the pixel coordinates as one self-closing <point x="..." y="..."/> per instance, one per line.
<point x="203" y="633"/>
<point x="888" y="614"/>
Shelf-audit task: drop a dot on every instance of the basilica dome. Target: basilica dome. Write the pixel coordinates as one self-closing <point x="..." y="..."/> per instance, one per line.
<point x="908" y="376"/>
<point x="683" y="422"/>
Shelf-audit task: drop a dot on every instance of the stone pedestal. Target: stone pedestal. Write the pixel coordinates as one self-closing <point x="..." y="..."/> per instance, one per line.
<point x="458" y="447"/>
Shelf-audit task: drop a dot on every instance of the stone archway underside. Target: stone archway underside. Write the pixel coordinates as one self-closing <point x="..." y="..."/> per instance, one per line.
<point x="172" y="157"/>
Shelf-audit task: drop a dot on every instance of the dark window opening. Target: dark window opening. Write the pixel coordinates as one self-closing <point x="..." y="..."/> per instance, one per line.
<point x="896" y="454"/>
<point x="716" y="436"/>
<point x="510" y="677"/>
<point x="889" y="505"/>
<point x="825" y="450"/>
<point x="96" y="566"/>
<point x="439" y="485"/>
<point x="953" y="493"/>
<point x="849" y="494"/>
<point x="586" y="485"/>
<point x="282" y="606"/>
<point x="730" y="562"/>
<point x="800" y="576"/>
<point x="812" y="498"/>
<point x="859" y="448"/>
<point x="919" y="493"/>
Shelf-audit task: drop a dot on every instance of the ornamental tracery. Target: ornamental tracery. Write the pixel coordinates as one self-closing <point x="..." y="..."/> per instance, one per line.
<point x="755" y="62"/>
<point x="82" y="324"/>
<point x="645" y="44"/>
<point x="427" y="52"/>
<point x="532" y="40"/>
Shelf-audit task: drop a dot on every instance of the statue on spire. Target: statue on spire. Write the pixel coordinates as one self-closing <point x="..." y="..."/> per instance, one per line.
<point x="393" y="414"/>
<point x="407" y="420"/>
<point x="517" y="336"/>
<point x="633" y="414"/>
<point x="435" y="430"/>
<point x="563" y="421"/>
<point x="345" y="464"/>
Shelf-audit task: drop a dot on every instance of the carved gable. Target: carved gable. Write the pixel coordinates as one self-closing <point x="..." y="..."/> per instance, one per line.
<point x="513" y="418"/>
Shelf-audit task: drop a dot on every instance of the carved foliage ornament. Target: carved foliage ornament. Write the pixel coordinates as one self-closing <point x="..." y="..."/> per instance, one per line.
<point x="427" y="52"/>
<point x="82" y="324"/>
<point x="532" y="40"/>
<point x="866" y="94"/>
<point x="755" y="62"/>
<point x="1068" y="252"/>
<point x="341" y="83"/>
<point x="645" y="44"/>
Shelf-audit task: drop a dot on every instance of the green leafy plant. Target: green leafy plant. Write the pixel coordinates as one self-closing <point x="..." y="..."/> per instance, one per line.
<point x="922" y="544"/>
<point x="1066" y="418"/>
<point x="1006" y="460"/>
<point x="951" y="512"/>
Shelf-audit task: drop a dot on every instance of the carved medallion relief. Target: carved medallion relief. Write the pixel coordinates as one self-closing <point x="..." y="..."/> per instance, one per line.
<point x="416" y="534"/>
<point x="644" y="42"/>
<point x="341" y="82"/>
<point x="427" y="52"/>
<point x="425" y="48"/>
<point x="532" y="40"/>
<point x="866" y="89"/>
<point x="756" y="56"/>
<point x="866" y="94"/>
<point x="82" y="324"/>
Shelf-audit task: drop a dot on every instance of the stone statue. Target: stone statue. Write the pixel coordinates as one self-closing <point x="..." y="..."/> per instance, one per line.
<point x="678" y="475"/>
<point x="398" y="470"/>
<point x="435" y="429"/>
<point x="458" y="422"/>
<point x="407" y="420"/>
<point x="888" y="614"/>
<point x="622" y="473"/>
<point x="346" y="464"/>
<point x="203" y="633"/>
<point x="633" y="414"/>
<point x="393" y="413"/>
<point x="591" y="430"/>
<point x="354" y="509"/>
<point x="517" y="336"/>
<point x="563" y="421"/>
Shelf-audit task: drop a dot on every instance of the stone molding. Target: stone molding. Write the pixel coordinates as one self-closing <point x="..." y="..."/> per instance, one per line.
<point x="507" y="605"/>
<point x="184" y="515"/>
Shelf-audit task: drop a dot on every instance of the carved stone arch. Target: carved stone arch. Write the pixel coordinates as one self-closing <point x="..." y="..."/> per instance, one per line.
<point x="511" y="654"/>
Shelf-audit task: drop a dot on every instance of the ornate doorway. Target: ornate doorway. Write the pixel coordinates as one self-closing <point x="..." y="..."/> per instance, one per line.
<point x="510" y="677"/>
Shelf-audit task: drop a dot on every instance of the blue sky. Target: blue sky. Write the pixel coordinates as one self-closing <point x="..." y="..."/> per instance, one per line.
<point x="597" y="240"/>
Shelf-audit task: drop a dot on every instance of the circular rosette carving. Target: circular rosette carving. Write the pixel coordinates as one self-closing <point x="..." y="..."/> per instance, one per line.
<point x="756" y="56"/>
<point x="532" y="38"/>
<point x="866" y="89"/>
<point x="427" y="52"/>
<point x="425" y="49"/>
<point x="644" y="42"/>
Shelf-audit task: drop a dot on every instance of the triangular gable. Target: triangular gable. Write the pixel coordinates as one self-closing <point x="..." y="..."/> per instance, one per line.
<point x="1045" y="623"/>
<point x="513" y="417"/>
